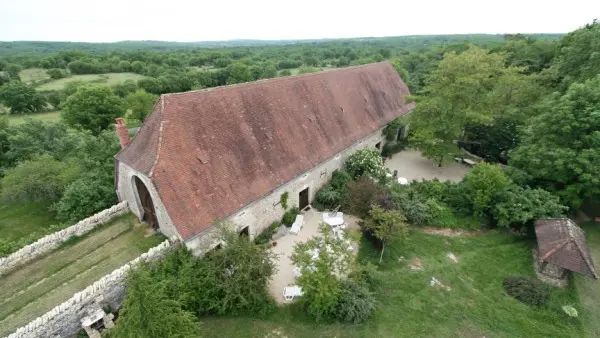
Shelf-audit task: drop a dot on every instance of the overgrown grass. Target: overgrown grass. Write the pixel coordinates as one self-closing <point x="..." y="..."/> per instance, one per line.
<point x="31" y="290"/>
<point x="32" y="75"/>
<point x="588" y="288"/>
<point x="104" y="79"/>
<point x="476" y="306"/>
<point x="47" y="116"/>
<point x="23" y="223"/>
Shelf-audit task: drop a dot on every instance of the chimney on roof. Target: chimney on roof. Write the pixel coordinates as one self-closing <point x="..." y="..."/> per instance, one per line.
<point x="122" y="132"/>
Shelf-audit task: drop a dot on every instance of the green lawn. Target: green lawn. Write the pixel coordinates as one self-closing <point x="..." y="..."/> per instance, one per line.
<point x="588" y="288"/>
<point x="33" y="75"/>
<point x="104" y="79"/>
<point x="37" y="287"/>
<point x="48" y="116"/>
<point x="19" y="222"/>
<point x="476" y="306"/>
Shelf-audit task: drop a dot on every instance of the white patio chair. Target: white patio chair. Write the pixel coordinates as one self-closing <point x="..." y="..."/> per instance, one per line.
<point x="297" y="225"/>
<point x="289" y="292"/>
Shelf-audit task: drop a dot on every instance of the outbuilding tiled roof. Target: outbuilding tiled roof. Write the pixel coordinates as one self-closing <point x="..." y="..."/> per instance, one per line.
<point x="562" y="242"/>
<point x="213" y="151"/>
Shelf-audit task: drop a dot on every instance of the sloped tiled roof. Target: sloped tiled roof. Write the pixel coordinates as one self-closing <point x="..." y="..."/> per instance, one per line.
<point x="211" y="152"/>
<point x="562" y="242"/>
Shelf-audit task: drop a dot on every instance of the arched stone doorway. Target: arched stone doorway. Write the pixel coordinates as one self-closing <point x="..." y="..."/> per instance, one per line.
<point x="149" y="213"/>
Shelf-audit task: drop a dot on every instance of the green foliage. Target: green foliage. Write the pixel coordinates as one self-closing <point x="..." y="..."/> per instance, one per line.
<point x="561" y="149"/>
<point x="149" y="312"/>
<point x="385" y="225"/>
<point x="290" y="216"/>
<point x="482" y="184"/>
<point x="365" y="162"/>
<point x="140" y="103"/>
<point x="390" y="149"/>
<point x="528" y="290"/>
<point x="21" y="98"/>
<point x="518" y="206"/>
<point x="265" y="236"/>
<point x="83" y="198"/>
<point x="577" y="57"/>
<point x="361" y="195"/>
<point x="327" y="198"/>
<point x="391" y="130"/>
<point x="465" y="88"/>
<point x="56" y="73"/>
<point x="284" y="200"/>
<point x="318" y="280"/>
<point x="356" y="303"/>
<point x="91" y="108"/>
<point x="41" y="178"/>
<point x="340" y="179"/>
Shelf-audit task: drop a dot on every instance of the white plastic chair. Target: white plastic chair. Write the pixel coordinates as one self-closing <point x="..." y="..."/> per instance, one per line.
<point x="297" y="225"/>
<point x="289" y="292"/>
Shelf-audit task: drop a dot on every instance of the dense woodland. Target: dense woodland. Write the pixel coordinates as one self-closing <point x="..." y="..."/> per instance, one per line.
<point x="530" y="101"/>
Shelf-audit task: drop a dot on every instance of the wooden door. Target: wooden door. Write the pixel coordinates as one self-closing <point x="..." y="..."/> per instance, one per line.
<point x="149" y="215"/>
<point x="303" y="199"/>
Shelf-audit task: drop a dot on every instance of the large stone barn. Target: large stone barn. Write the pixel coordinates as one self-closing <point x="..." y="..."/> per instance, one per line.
<point x="229" y="153"/>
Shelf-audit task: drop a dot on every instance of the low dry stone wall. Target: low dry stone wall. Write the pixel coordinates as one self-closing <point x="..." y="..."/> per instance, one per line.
<point x="52" y="241"/>
<point x="108" y="291"/>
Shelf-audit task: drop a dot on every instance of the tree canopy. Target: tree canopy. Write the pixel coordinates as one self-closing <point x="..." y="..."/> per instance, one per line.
<point x="92" y="107"/>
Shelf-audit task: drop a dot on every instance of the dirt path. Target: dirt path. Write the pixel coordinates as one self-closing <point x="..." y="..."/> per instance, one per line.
<point x="413" y="166"/>
<point x="588" y="288"/>
<point x="37" y="287"/>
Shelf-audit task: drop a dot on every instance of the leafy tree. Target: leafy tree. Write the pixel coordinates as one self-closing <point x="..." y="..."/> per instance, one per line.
<point x="125" y="88"/>
<point x="140" y="103"/>
<point x="56" y="73"/>
<point x="385" y="225"/>
<point x="361" y="194"/>
<point x="54" y="99"/>
<point x="578" y="55"/>
<point x="151" y="85"/>
<point x="238" y="73"/>
<point x="92" y="107"/>
<point x="21" y="98"/>
<point x="320" y="260"/>
<point x="356" y="304"/>
<point x="148" y="311"/>
<point x="38" y="137"/>
<point x="397" y="63"/>
<point x="561" y="148"/>
<point x="41" y="178"/>
<point x="482" y="184"/>
<point x="83" y="198"/>
<point x="518" y="206"/>
<point x="462" y="90"/>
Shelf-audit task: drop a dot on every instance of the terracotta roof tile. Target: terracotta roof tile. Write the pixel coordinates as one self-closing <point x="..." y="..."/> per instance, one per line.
<point x="562" y="242"/>
<point x="214" y="151"/>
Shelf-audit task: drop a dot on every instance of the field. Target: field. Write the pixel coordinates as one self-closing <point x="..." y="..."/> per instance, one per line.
<point x="24" y="220"/>
<point x="34" y="289"/>
<point x="32" y="75"/>
<point x="476" y="305"/>
<point x="104" y="79"/>
<point x="48" y="116"/>
<point x="589" y="289"/>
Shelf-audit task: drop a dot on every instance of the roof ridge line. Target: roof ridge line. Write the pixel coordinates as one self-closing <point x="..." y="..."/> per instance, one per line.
<point x="274" y="79"/>
<point x="589" y="264"/>
<point x="160" y="135"/>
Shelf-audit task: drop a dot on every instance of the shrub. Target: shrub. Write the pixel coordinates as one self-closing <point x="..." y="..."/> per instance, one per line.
<point x="528" y="290"/>
<point x="391" y="149"/>
<point x="361" y="195"/>
<point x="356" y="303"/>
<point x="284" y="200"/>
<point x="517" y="206"/>
<point x="84" y="197"/>
<point x="340" y="180"/>
<point x="416" y="210"/>
<point x="366" y="274"/>
<point x="365" y="162"/>
<point x="483" y="183"/>
<point x="391" y="130"/>
<point x="290" y="216"/>
<point x="327" y="198"/>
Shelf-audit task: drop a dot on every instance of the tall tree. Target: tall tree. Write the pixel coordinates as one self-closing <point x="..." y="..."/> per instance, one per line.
<point x="91" y="107"/>
<point x="385" y="225"/>
<point x="21" y="98"/>
<point x="149" y="313"/>
<point x="465" y="88"/>
<point x="140" y="103"/>
<point x="561" y="148"/>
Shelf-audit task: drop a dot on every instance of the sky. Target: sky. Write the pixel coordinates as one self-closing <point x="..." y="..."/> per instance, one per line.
<point x="210" y="20"/>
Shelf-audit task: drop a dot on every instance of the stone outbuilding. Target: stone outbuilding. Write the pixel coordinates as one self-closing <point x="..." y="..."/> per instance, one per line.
<point x="230" y="153"/>
<point x="561" y="248"/>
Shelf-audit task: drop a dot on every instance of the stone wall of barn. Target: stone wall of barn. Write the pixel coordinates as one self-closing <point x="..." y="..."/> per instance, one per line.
<point x="261" y="213"/>
<point x="127" y="191"/>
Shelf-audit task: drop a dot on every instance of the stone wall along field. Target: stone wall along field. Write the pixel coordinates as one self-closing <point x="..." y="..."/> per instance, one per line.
<point x="52" y="241"/>
<point x="108" y="291"/>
